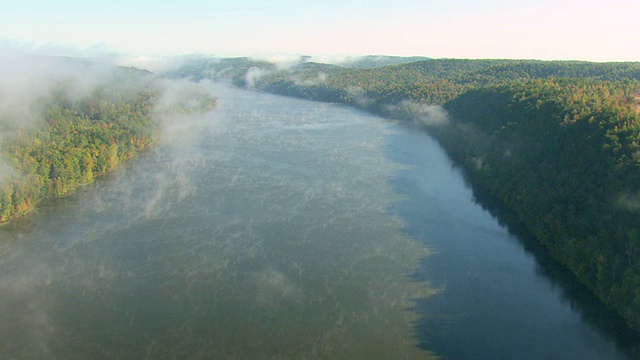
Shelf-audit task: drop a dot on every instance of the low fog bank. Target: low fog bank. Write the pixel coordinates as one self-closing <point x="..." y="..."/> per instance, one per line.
<point x="422" y="114"/>
<point x="31" y="81"/>
<point x="284" y="61"/>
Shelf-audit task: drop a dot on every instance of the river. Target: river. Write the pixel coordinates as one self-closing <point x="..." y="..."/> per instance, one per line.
<point x="275" y="228"/>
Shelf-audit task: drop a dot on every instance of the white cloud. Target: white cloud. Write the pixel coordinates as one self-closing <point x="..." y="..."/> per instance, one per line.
<point x="422" y="114"/>
<point x="253" y="75"/>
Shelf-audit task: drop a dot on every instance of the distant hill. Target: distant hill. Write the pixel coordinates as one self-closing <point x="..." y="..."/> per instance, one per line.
<point x="375" y="61"/>
<point x="232" y="70"/>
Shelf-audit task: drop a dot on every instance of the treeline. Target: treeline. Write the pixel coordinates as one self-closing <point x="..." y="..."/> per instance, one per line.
<point x="557" y="143"/>
<point x="431" y="81"/>
<point x="76" y="140"/>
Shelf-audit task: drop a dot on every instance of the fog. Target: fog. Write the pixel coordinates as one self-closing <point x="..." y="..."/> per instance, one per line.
<point x="285" y="61"/>
<point x="156" y="64"/>
<point x="422" y="114"/>
<point x="319" y="79"/>
<point x="629" y="202"/>
<point x="28" y="80"/>
<point x="253" y="76"/>
<point x="30" y="76"/>
<point x="27" y="83"/>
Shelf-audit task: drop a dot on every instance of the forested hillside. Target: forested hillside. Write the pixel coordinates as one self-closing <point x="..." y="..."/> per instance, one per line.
<point x="74" y="137"/>
<point x="557" y="143"/>
<point x="564" y="155"/>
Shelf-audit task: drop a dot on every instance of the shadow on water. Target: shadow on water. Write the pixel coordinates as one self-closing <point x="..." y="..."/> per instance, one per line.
<point x="592" y="311"/>
<point x="430" y="327"/>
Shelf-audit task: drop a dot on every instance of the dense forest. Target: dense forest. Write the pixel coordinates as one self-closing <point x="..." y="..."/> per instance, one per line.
<point x="556" y="142"/>
<point x="74" y="137"/>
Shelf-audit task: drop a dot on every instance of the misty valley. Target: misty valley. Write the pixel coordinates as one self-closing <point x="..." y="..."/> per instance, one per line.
<point x="415" y="209"/>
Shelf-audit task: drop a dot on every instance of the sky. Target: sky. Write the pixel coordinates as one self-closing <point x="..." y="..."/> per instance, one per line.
<point x="518" y="29"/>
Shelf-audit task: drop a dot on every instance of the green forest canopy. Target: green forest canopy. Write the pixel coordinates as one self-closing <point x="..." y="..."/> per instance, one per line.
<point x="76" y="138"/>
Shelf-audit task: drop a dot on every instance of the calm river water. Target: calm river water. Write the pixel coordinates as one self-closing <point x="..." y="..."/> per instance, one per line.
<point x="275" y="228"/>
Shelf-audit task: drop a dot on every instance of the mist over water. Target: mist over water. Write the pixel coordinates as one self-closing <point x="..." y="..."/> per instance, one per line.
<point x="257" y="231"/>
<point x="274" y="228"/>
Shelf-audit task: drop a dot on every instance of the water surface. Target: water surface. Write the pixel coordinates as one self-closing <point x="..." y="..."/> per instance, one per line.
<point x="503" y="297"/>
<point x="259" y="231"/>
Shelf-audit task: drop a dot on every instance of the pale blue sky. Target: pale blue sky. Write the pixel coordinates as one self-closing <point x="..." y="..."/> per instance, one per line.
<point x="542" y="29"/>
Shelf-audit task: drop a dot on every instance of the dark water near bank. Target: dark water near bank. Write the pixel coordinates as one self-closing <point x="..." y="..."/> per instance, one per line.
<point x="275" y="228"/>
<point x="503" y="297"/>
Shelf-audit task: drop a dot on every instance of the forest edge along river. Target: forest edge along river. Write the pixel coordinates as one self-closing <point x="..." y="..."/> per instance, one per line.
<point x="279" y="228"/>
